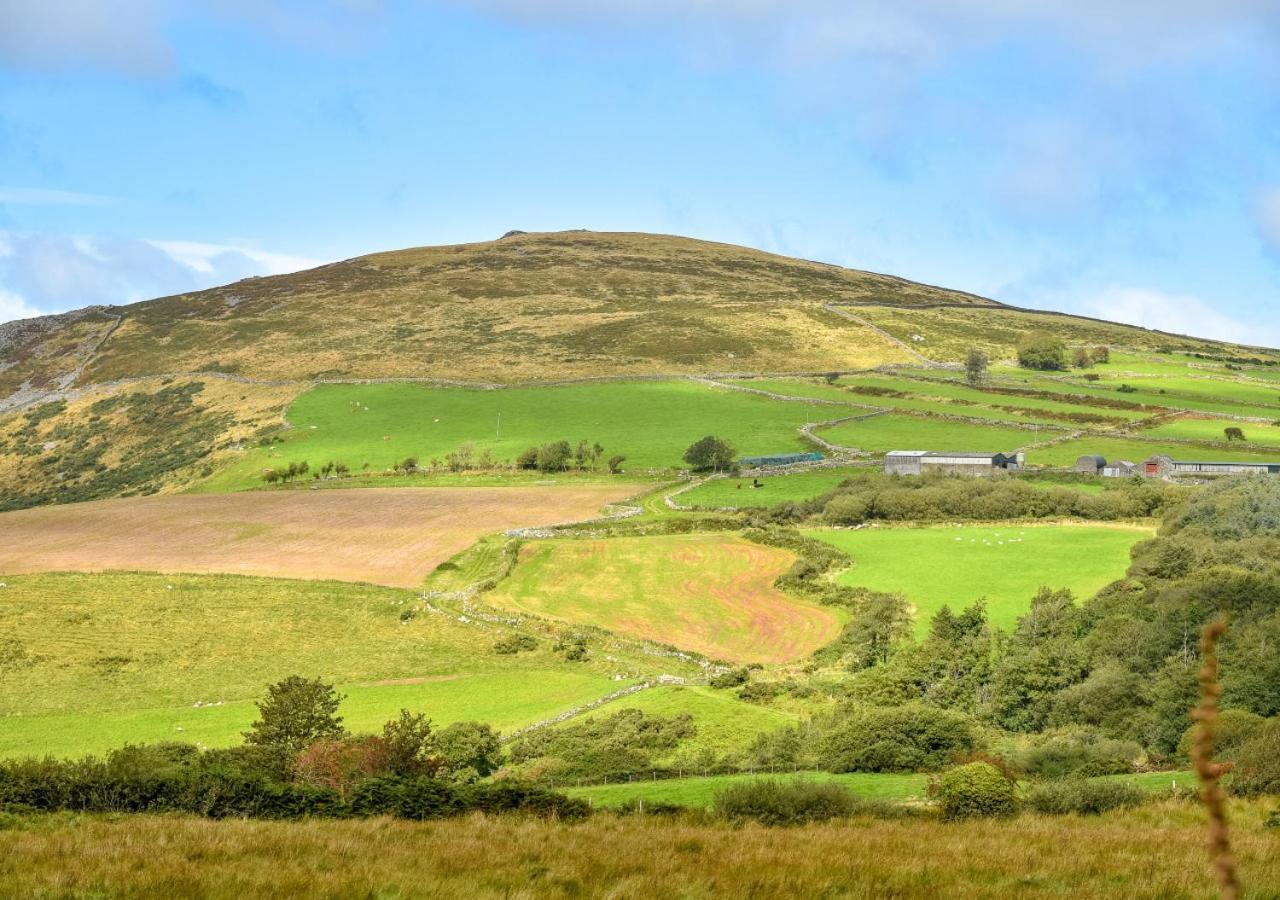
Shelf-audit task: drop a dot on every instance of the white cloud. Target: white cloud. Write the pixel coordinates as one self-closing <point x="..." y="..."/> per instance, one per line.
<point x="14" y="307"/>
<point x="46" y="273"/>
<point x="1179" y="314"/>
<point x="128" y="37"/>
<point x="205" y="258"/>
<point x="1126" y="34"/>
<point x="1267" y="215"/>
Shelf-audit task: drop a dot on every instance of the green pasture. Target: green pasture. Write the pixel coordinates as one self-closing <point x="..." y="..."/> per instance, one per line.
<point x="1257" y="434"/>
<point x="504" y="699"/>
<point x="721" y="493"/>
<point x="700" y="791"/>
<point x="93" y="660"/>
<point x="1006" y="564"/>
<point x="651" y="423"/>
<point x="945" y="397"/>
<point x="880" y="434"/>
<point x="1137" y="449"/>
<point x="725" y="723"/>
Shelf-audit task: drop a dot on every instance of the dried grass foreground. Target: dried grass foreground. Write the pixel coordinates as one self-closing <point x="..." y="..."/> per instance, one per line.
<point x="1156" y="851"/>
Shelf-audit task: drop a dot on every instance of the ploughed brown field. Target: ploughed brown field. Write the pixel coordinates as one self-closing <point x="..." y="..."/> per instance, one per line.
<point x="390" y="536"/>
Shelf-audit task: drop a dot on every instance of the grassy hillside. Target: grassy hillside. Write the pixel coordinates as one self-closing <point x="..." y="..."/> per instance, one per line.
<point x="651" y="423"/>
<point x="1006" y="564"/>
<point x="88" y="662"/>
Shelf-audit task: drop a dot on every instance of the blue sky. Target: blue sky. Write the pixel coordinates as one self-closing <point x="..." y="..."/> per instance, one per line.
<point x="1115" y="162"/>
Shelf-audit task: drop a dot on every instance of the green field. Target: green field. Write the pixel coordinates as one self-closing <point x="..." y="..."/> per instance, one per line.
<point x="1136" y="450"/>
<point x="722" y="493"/>
<point x="881" y="434"/>
<point x="1006" y="564"/>
<point x="701" y="791"/>
<point x="1256" y="433"/>
<point x="708" y="593"/>
<point x="95" y="660"/>
<point x="725" y="723"/>
<point x="651" y="423"/>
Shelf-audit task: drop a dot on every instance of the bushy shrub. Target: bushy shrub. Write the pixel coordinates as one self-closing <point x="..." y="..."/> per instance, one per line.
<point x="514" y="643"/>
<point x="1083" y="796"/>
<point x="1232" y="731"/>
<point x="908" y="738"/>
<point x="1083" y="752"/>
<point x="1257" y="762"/>
<point x="975" y="790"/>
<point x="91" y="785"/>
<point x="774" y="802"/>
<point x="730" y="679"/>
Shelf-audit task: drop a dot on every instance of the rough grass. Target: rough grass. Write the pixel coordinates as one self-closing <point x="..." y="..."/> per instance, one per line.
<point x="390" y="536"/>
<point x="651" y="423"/>
<point x="538" y="306"/>
<point x="93" y="660"/>
<point x="883" y="433"/>
<point x="1156" y="851"/>
<point x="712" y="594"/>
<point x="1006" y="564"/>
<point x="721" y="493"/>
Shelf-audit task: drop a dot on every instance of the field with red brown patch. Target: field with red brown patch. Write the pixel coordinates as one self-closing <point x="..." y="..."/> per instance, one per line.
<point x="390" y="536"/>
<point x="712" y="594"/>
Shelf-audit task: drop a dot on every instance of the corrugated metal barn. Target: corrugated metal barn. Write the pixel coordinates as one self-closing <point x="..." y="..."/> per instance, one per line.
<point x="920" y="462"/>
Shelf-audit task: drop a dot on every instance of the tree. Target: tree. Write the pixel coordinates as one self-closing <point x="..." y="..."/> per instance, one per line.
<point x="467" y="750"/>
<point x="615" y="463"/>
<point x="1081" y="358"/>
<point x="406" y="739"/>
<point x="581" y="454"/>
<point x="1234" y="433"/>
<point x="1042" y="351"/>
<point x="296" y="713"/>
<point x="596" y="452"/>
<point x="1101" y="354"/>
<point x="554" y="457"/>
<point x="879" y="622"/>
<point x="528" y="458"/>
<point x="975" y="367"/>
<point x="710" y="453"/>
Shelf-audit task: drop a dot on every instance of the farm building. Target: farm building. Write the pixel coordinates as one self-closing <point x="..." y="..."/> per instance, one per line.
<point x="1121" y="469"/>
<point x="920" y="462"/>
<point x="1167" y="467"/>
<point x="1091" y="464"/>
<point x="781" y="459"/>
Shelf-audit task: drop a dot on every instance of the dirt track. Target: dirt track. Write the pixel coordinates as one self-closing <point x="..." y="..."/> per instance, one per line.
<point x="391" y="536"/>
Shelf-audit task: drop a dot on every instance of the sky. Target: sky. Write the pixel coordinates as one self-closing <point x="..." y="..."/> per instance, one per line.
<point x="1119" y="160"/>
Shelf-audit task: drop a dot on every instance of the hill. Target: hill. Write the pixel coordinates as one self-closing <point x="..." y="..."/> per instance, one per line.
<point x="215" y="387"/>
<point x="526" y="307"/>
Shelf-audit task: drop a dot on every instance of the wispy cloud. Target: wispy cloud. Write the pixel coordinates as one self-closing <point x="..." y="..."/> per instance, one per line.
<point x="128" y="37"/>
<point x="46" y="273"/>
<point x="24" y="196"/>
<point x="1178" y="313"/>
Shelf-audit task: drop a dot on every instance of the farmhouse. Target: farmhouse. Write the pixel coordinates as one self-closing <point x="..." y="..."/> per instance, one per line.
<point x="781" y="459"/>
<point x="1166" y="467"/>
<point x="920" y="462"/>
